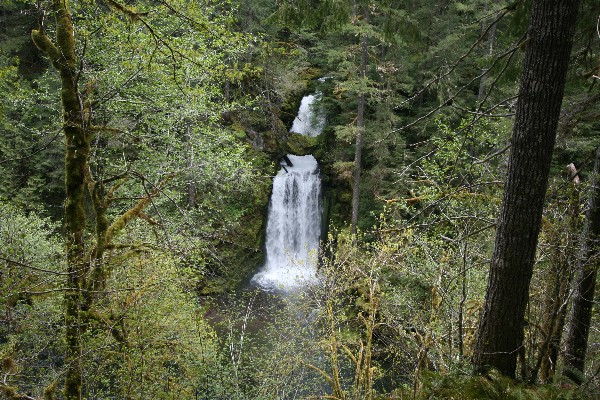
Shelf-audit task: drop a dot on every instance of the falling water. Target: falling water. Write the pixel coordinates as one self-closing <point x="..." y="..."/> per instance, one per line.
<point x="294" y="221"/>
<point x="307" y="122"/>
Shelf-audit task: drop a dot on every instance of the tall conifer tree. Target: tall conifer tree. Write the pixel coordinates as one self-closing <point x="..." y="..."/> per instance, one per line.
<point x="550" y="38"/>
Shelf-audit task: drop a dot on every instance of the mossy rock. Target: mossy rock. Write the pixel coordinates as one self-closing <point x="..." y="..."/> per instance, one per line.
<point x="301" y="145"/>
<point x="270" y="143"/>
<point x="304" y="84"/>
<point x="243" y="251"/>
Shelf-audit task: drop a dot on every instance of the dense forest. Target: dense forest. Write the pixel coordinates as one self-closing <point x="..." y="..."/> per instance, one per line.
<point x="452" y="162"/>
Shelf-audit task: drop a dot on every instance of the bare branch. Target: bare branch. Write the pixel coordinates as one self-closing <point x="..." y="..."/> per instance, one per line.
<point x="20" y="264"/>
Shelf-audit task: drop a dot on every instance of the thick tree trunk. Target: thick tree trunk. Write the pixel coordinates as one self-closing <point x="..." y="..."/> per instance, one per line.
<point x="63" y="57"/>
<point x="360" y="126"/>
<point x="550" y="39"/>
<point x="585" y="285"/>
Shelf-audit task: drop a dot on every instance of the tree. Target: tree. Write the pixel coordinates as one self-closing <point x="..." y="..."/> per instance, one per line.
<point x="91" y="182"/>
<point x="63" y="56"/>
<point x="31" y="267"/>
<point x="30" y="154"/>
<point x="360" y="121"/>
<point x="550" y="37"/>
<point x="584" y="284"/>
<point x="351" y="31"/>
<point x="560" y="234"/>
<point x="491" y="37"/>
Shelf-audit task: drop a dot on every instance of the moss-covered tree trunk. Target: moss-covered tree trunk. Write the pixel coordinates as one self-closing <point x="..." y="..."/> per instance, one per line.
<point x="61" y="52"/>
<point x="550" y="38"/>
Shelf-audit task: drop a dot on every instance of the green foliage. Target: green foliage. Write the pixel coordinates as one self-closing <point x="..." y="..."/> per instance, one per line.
<point x="31" y="265"/>
<point x="154" y="90"/>
<point x="171" y="97"/>
<point x="29" y="248"/>
<point x="493" y="387"/>
<point x="152" y="102"/>
<point x="150" y="339"/>
<point x="457" y="152"/>
<point x="30" y="171"/>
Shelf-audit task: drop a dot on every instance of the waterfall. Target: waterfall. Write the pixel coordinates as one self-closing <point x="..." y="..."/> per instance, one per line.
<point x="307" y="122"/>
<point x="294" y="220"/>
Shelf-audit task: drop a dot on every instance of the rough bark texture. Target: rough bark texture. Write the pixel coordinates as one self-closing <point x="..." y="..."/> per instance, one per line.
<point x="360" y="127"/>
<point x="550" y="39"/>
<point x="585" y="285"/>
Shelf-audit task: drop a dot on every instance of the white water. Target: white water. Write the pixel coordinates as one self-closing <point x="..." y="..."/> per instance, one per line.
<point x="294" y="221"/>
<point x="306" y="122"/>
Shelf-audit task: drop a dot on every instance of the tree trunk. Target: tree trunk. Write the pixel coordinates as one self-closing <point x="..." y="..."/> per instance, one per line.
<point x="585" y="285"/>
<point x="562" y="259"/>
<point x="490" y="50"/>
<point x="86" y="273"/>
<point x="360" y="125"/>
<point x="550" y="38"/>
<point x="63" y="57"/>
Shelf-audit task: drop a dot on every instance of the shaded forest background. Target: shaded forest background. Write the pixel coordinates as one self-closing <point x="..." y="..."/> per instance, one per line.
<point x="129" y="228"/>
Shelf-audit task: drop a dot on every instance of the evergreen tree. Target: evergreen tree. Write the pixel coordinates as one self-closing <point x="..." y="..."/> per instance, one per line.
<point x="550" y="38"/>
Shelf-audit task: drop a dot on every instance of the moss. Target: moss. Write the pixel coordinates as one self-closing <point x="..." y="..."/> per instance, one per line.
<point x="240" y="256"/>
<point x="304" y="83"/>
<point x="242" y="251"/>
<point x="301" y="145"/>
<point x="50" y="391"/>
<point x="270" y="143"/>
<point x="238" y="129"/>
<point x="458" y="385"/>
<point x="129" y="12"/>
<point x="9" y="392"/>
<point x="44" y="43"/>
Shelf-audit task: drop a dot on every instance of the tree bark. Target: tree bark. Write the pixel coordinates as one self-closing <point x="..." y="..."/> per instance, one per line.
<point x="63" y="57"/>
<point x="550" y="38"/>
<point x="585" y="285"/>
<point x="360" y="125"/>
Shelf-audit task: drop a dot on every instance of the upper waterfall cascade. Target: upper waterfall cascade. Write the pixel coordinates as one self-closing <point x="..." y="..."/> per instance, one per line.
<point x="294" y="220"/>
<point x="307" y="122"/>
